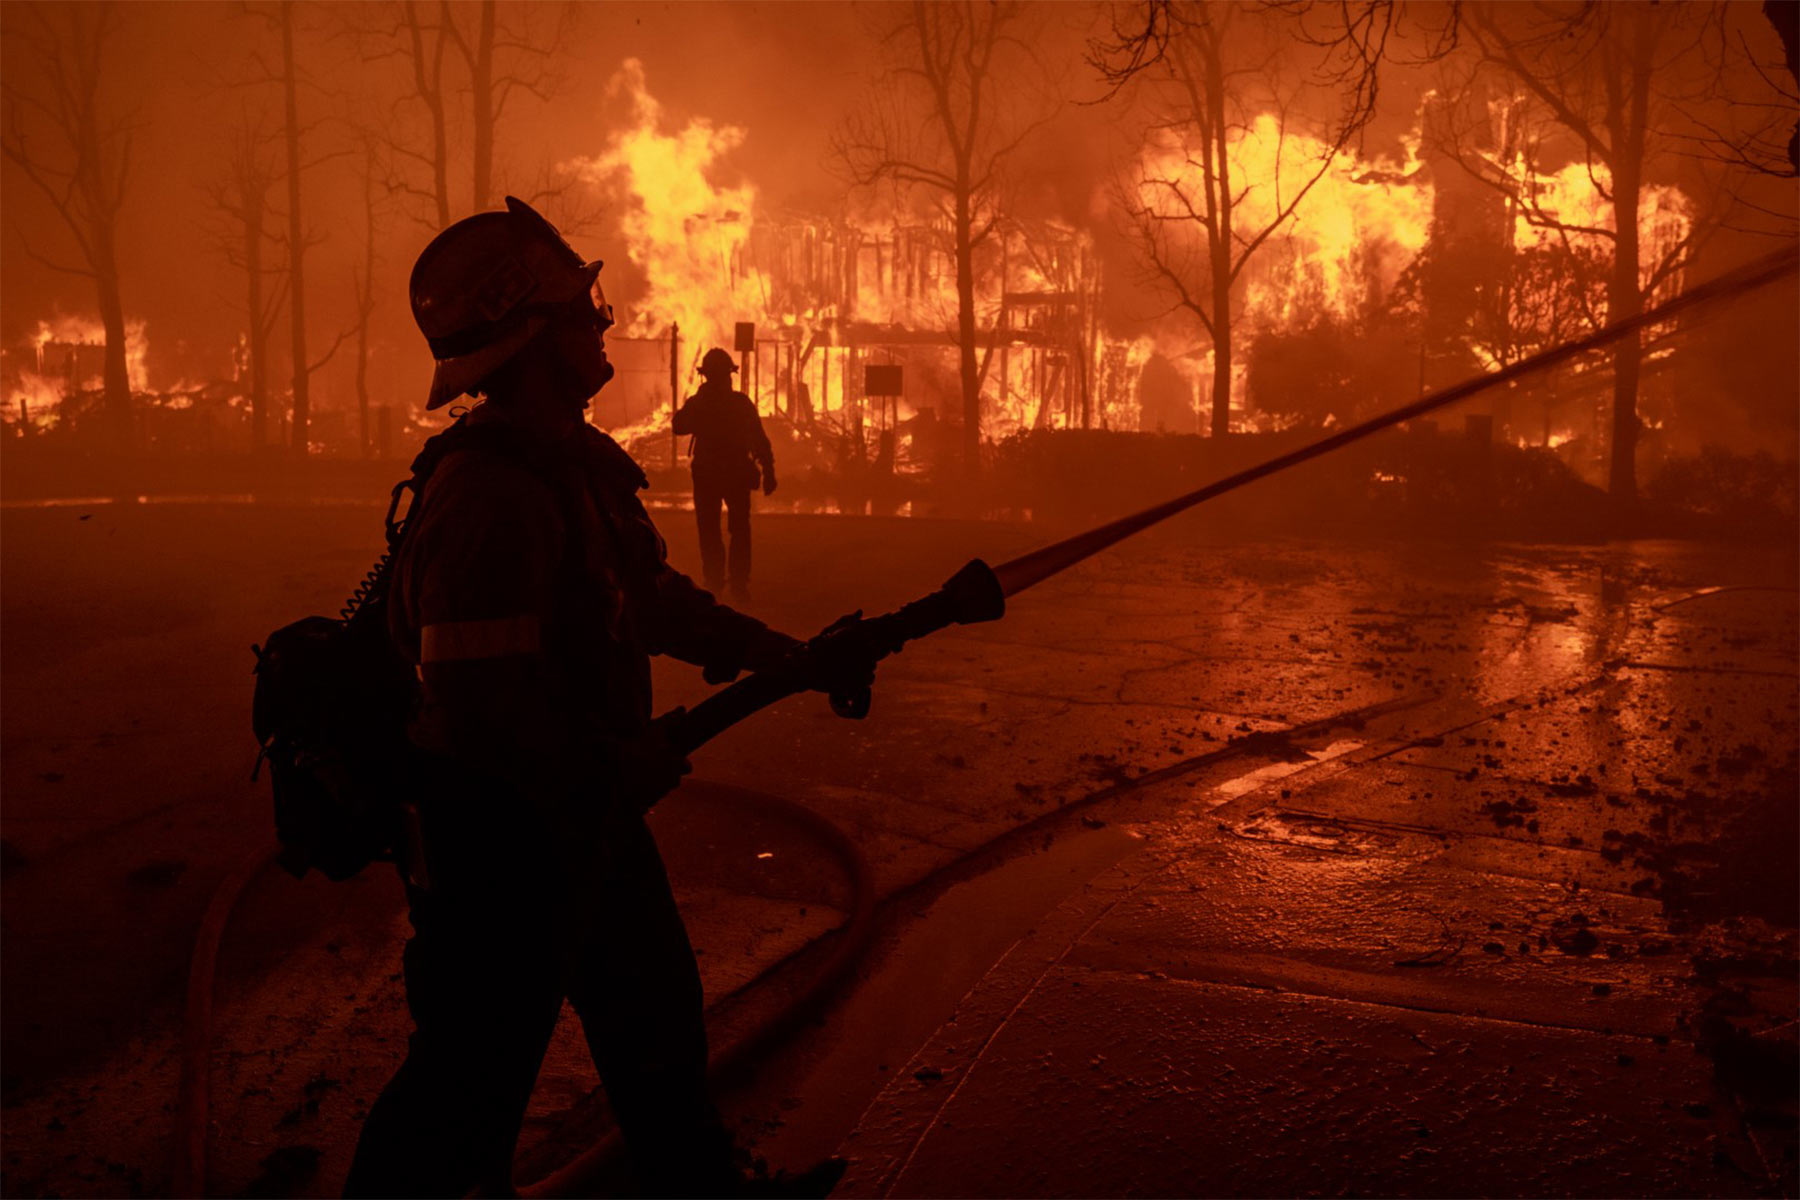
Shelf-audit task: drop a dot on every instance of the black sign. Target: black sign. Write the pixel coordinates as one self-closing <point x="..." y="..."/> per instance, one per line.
<point x="883" y="380"/>
<point x="746" y="337"/>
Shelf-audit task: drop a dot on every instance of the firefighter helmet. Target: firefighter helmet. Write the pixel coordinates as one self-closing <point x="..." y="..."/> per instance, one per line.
<point x="716" y="362"/>
<point x="486" y="286"/>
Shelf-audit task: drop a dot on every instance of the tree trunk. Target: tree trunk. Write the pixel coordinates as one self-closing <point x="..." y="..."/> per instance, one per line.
<point x="1222" y="249"/>
<point x="1221" y="381"/>
<point x="103" y="258"/>
<point x="362" y="385"/>
<point x="117" y="378"/>
<point x="115" y="375"/>
<point x="481" y="87"/>
<point x="1624" y="297"/>
<point x="440" y="165"/>
<point x="428" y="83"/>
<point x="259" y="334"/>
<point x="296" y="236"/>
<point x="965" y="334"/>
<point x="365" y="304"/>
<point x="1624" y="300"/>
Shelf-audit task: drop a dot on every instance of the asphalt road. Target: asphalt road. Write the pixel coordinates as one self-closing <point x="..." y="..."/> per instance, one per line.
<point x="1562" y="714"/>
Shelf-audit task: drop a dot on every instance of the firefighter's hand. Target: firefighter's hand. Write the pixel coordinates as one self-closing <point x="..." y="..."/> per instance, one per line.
<point x="769" y="482"/>
<point x="842" y="666"/>
<point x="651" y="765"/>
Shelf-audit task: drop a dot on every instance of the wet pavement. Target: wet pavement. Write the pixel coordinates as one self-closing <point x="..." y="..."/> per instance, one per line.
<point x="1307" y="988"/>
<point x="1274" y="868"/>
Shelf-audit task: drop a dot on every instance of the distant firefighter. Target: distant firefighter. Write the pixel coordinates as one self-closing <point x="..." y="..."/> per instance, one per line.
<point x="731" y="455"/>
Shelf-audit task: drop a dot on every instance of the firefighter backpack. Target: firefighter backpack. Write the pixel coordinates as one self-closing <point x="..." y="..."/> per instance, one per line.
<point x="331" y="705"/>
<point x="334" y="697"/>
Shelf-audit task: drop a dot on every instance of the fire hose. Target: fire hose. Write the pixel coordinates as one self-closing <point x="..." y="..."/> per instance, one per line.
<point x="976" y="593"/>
<point x="979" y="592"/>
<point x="194" y="1121"/>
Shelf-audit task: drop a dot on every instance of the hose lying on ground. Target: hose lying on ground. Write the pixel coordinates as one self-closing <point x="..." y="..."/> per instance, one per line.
<point x="193" y="1119"/>
<point x="196" y="1034"/>
<point x="853" y="938"/>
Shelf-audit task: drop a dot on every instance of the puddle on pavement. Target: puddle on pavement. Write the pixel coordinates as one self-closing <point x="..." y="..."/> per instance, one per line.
<point x="1249" y="781"/>
<point x="918" y="985"/>
<point x="1312" y="833"/>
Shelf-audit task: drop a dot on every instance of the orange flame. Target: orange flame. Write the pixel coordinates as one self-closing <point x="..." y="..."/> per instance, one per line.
<point x="36" y="393"/>
<point x="684" y="232"/>
<point x="825" y="289"/>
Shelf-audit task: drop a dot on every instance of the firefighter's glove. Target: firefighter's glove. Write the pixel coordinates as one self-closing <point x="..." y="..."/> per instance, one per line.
<point x="842" y="664"/>
<point x="769" y="482"/>
<point x="649" y="766"/>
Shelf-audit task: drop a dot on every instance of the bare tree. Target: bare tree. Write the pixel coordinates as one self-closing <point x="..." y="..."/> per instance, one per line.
<point x="1603" y="80"/>
<point x="364" y="281"/>
<point x="77" y="152"/>
<point x="501" y="50"/>
<point x="296" y="241"/>
<point x="1209" y="71"/>
<point x="241" y="196"/>
<point x="945" y="121"/>
<point x="1359" y="39"/>
<point x="1750" y="121"/>
<point x="288" y="76"/>
<point x="484" y="105"/>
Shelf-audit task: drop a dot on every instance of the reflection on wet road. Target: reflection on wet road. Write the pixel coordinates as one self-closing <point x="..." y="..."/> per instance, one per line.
<point x="1416" y="792"/>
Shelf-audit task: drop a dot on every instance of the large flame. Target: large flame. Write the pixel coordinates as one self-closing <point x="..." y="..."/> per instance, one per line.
<point x="1344" y="245"/>
<point x="84" y="331"/>
<point x="685" y="233"/>
<point x="1576" y="195"/>
<point x="35" y="394"/>
<point x="833" y="293"/>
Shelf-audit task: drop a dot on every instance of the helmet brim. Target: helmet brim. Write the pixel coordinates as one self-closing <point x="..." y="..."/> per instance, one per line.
<point x="461" y="375"/>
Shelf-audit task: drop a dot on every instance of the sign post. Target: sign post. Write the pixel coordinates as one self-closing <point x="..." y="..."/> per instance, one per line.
<point x="745" y="342"/>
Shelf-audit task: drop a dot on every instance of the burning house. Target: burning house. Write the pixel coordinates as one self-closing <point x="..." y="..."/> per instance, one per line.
<point x="828" y="296"/>
<point x="1277" y="745"/>
<point x="1369" y="264"/>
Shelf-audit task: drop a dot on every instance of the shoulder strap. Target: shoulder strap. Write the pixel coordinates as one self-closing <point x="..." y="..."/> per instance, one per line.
<point x="601" y="459"/>
<point x="612" y="463"/>
<point x="373" y="589"/>
<point x="461" y="435"/>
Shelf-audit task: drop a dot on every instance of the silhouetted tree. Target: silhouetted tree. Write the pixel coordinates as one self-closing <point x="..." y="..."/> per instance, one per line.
<point x="1208" y="71"/>
<point x="296" y="244"/>
<point x="240" y="194"/>
<point x="1749" y="120"/>
<point x="945" y="120"/>
<point x="1605" y="81"/>
<point x="364" y="280"/>
<point x="288" y="76"/>
<point x="493" y="51"/>
<point x="76" y="150"/>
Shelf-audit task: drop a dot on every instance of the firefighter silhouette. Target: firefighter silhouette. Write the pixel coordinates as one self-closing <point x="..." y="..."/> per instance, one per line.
<point x="731" y="455"/>
<point x="528" y="588"/>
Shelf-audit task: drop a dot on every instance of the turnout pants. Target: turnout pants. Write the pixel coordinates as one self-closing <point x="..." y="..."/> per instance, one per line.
<point x="515" y="921"/>
<point x="708" y="496"/>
